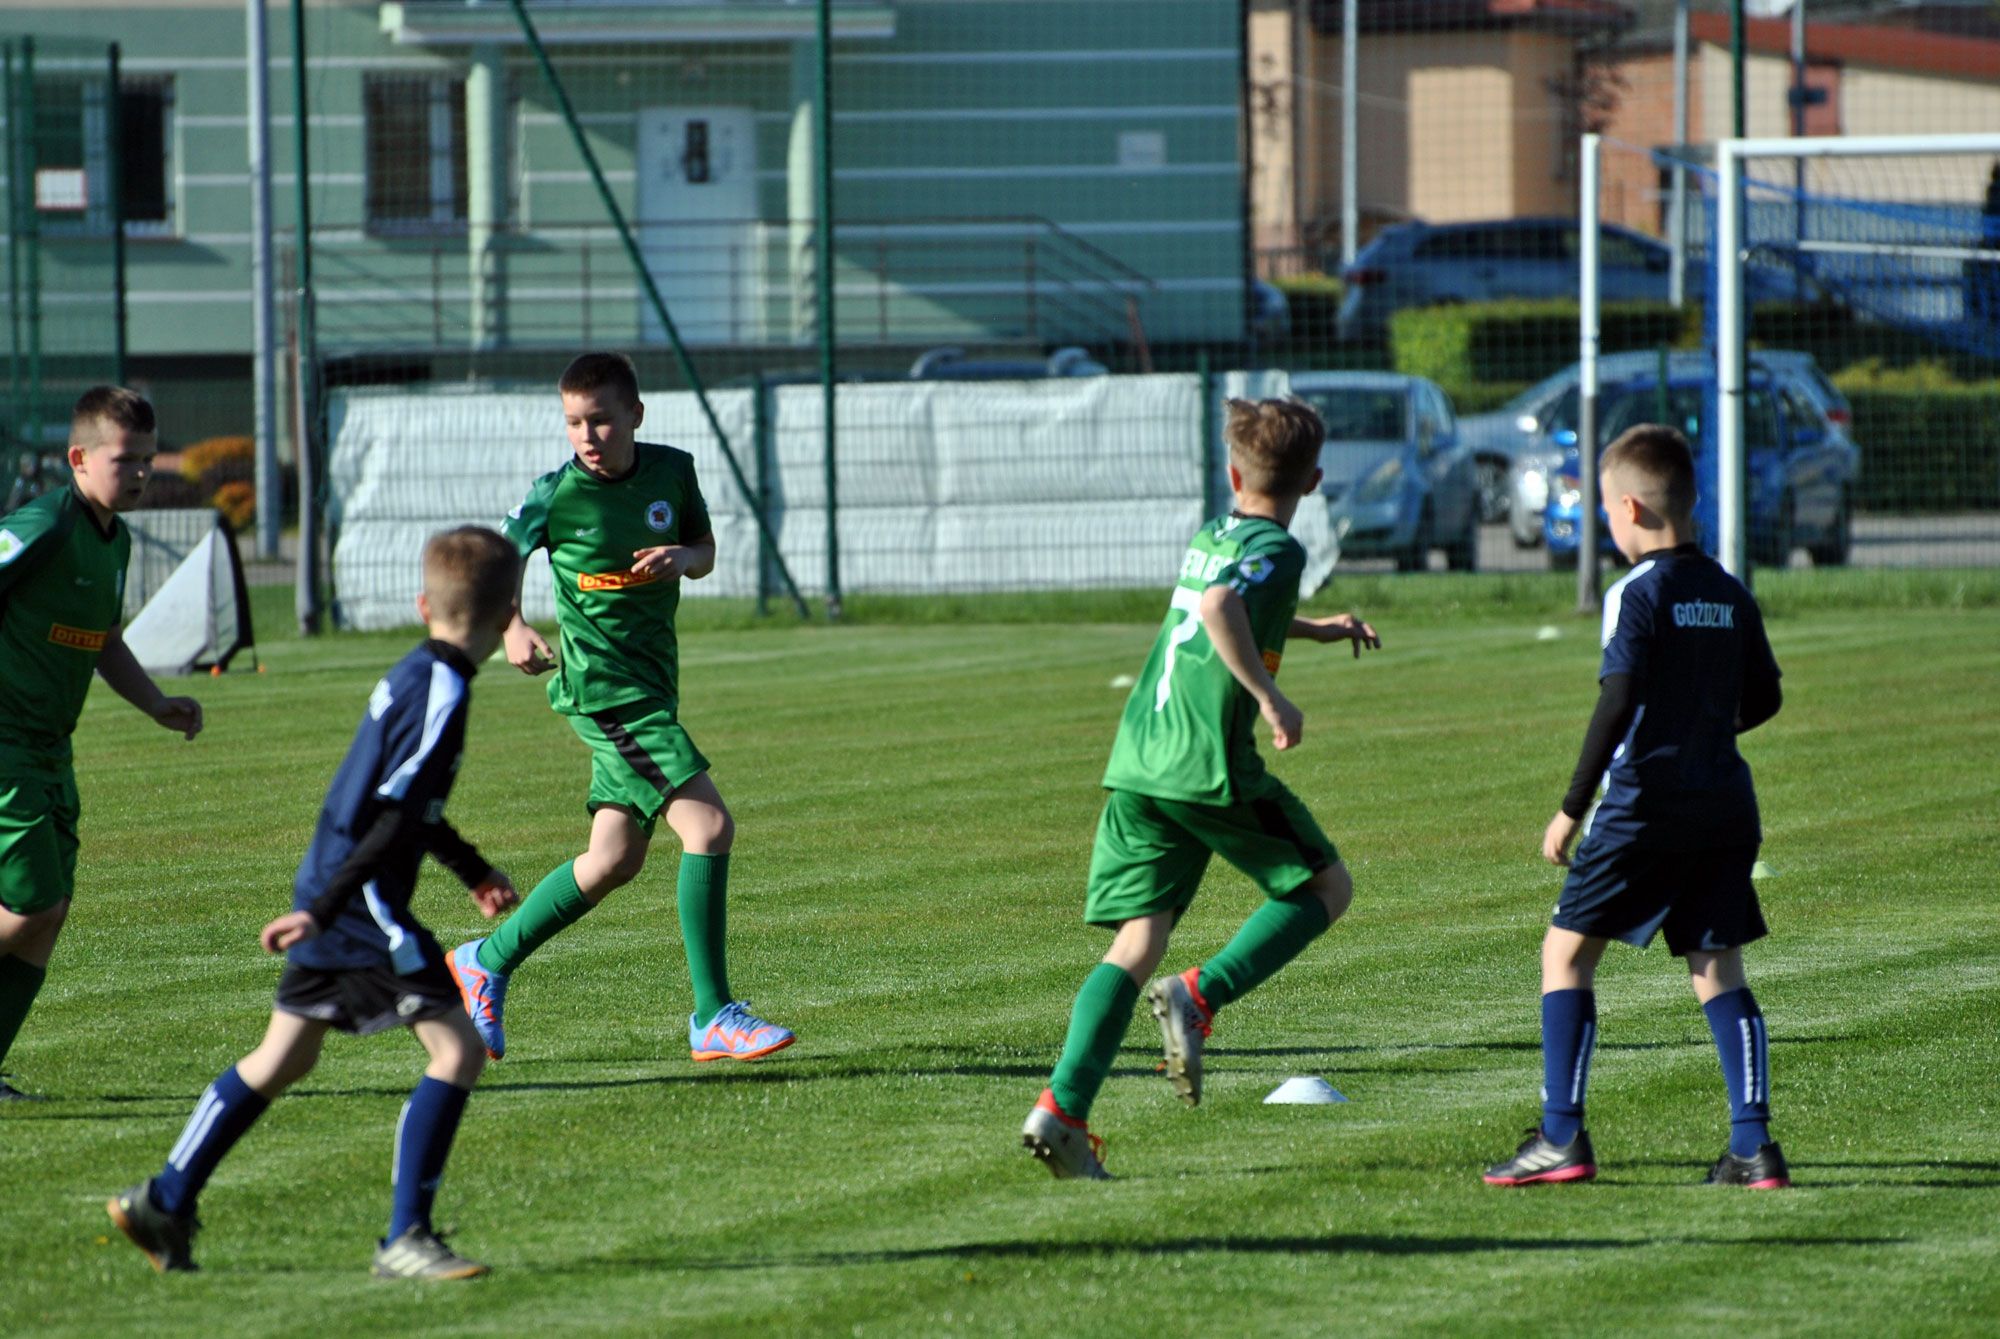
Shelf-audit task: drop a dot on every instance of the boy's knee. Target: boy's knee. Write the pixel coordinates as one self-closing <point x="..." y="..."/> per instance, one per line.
<point x="704" y="829"/>
<point x="1334" y="887"/>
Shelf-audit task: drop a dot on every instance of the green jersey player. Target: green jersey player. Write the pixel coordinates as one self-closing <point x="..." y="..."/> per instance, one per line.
<point x="1186" y="783"/>
<point x="623" y="524"/>
<point x="62" y="595"/>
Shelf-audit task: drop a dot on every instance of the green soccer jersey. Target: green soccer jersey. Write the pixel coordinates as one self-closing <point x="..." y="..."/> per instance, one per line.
<point x="1186" y="733"/>
<point x="617" y="628"/>
<point x="62" y="590"/>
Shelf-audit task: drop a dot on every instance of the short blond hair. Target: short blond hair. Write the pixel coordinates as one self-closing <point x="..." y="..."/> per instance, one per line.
<point x="1656" y="458"/>
<point x="471" y="576"/>
<point x="1274" y="444"/>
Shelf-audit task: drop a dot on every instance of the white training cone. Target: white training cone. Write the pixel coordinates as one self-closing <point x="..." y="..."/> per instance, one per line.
<point x="1760" y="870"/>
<point x="1304" y="1090"/>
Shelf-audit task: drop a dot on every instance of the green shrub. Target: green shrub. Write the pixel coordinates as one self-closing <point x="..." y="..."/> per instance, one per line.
<point x="1484" y="353"/>
<point x="1313" y="302"/>
<point x="1929" y="448"/>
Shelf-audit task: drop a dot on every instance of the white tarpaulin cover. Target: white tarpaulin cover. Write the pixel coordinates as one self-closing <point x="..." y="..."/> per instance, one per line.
<point x="1065" y="484"/>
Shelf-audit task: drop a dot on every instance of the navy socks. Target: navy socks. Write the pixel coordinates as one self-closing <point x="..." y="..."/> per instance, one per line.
<point x="1746" y="1068"/>
<point x="225" y="1111"/>
<point x="1569" y="1031"/>
<point x="423" y="1141"/>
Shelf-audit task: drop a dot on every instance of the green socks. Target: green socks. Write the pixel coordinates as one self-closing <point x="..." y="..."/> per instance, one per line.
<point x="19" y="980"/>
<point x="556" y="902"/>
<point x="703" y="895"/>
<point x="1275" y="934"/>
<point x="1096" y="1028"/>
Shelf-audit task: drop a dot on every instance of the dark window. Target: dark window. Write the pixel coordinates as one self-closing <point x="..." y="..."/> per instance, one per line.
<point x="416" y="153"/>
<point x="72" y="155"/>
<point x="146" y="126"/>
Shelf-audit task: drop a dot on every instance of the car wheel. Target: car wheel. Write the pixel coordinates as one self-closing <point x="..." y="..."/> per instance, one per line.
<point x="1493" y="497"/>
<point x="1417" y="557"/>
<point x="1835" y="549"/>
<point x="1774" y="547"/>
<point x="1463" y="555"/>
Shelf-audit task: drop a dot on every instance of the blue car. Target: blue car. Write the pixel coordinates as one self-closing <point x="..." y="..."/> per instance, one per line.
<point x="1801" y="466"/>
<point x="1397" y="481"/>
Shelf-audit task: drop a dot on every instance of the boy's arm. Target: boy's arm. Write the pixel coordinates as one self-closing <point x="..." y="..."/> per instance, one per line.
<point x="1761" y="696"/>
<point x="1227" y="621"/>
<point x="690" y="561"/>
<point x="490" y="887"/>
<point x="1616" y="701"/>
<point x="117" y="666"/>
<point x="1338" y="628"/>
<point x="527" y="650"/>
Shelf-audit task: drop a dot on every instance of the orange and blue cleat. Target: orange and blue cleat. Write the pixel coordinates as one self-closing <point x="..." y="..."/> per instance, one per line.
<point x="483" y="993"/>
<point x="736" y="1034"/>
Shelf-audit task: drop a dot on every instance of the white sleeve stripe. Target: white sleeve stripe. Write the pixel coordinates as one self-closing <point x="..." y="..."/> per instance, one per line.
<point x="447" y="690"/>
<point x="1614" y="600"/>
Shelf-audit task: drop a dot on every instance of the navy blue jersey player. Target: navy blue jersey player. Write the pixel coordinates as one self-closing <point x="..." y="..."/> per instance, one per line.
<point x="1671" y="844"/>
<point x="358" y="960"/>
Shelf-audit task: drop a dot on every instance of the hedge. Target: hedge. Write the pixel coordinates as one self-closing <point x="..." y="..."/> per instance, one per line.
<point x="1927" y="450"/>
<point x="1477" y="351"/>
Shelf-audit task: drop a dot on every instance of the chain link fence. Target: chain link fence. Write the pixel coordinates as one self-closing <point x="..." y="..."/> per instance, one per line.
<point x="63" y="322"/>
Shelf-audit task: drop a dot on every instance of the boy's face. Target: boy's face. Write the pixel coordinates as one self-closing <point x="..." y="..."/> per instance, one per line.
<point x="602" y="425"/>
<point x="111" y="464"/>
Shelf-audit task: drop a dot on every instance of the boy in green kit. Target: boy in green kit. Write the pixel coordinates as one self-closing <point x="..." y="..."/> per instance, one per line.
<point x="1185" y="782"/>
<point x="62" y="596"/>
<point x="624" y="523"/>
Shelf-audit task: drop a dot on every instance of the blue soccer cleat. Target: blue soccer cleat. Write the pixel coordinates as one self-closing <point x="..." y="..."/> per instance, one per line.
<point x="736" y="1034"/>
<point x="483" y="993"/>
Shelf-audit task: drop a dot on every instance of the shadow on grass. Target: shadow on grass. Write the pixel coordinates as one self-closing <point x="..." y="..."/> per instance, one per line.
<point x="1333" y="1244"/>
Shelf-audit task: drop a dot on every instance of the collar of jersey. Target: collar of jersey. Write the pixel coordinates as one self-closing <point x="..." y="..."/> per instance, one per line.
<point x="451" y="656"/>
<point x="584" y="470"/>
<point x="103" y="532"/>
<point x="1687" y="550"/>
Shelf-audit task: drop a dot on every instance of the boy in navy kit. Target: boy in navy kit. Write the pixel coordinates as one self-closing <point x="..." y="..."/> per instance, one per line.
<point x="357" y="958"/>
<point x="1671" y="844"/>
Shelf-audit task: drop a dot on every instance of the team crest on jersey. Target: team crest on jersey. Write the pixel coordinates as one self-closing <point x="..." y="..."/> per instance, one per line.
<point x="660" y="516"/>
<point x="10" y="547"/>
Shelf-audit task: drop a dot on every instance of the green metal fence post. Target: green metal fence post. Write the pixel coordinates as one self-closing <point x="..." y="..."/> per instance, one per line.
<point x="13" y="112"/>
<point x="760" y="410"/>
<point x="823" y="278"/>
<point x="114" y="115"/>
<point x="31" y="257"/>
<point x="1209" y="439"/>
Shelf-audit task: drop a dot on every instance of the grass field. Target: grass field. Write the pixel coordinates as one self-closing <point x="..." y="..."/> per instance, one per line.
<point x="915" y="805"/>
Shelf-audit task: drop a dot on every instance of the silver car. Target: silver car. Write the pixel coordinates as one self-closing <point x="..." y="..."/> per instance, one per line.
<point x="1397" y="482"/>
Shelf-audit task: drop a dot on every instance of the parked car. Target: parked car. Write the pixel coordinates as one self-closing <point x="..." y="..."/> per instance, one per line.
<point x="952" y="364"/>
<point x="1426" y="264"/>
<point x="1396" y="480"/>
<point x="1801" y="465"/>
<point x="1534" y="422"/>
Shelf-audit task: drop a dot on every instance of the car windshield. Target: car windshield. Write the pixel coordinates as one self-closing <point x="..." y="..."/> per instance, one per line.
<point x="1358" y="415"/>
<point x="1684" y="407"/>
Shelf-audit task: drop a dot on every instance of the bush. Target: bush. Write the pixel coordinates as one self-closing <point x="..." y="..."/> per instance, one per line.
<point x="1485" y="353"/>
<point x="213" y="453"/>
<point x="1927" y="448"/>
<point x="237" y="501"/>
<point x="1313" y="301"/>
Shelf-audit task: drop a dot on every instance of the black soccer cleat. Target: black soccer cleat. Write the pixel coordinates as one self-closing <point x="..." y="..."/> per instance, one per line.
<point x="1765" y="1171"/>
<point x="1540" y="1160"/>
<point x="166" y="1238"/>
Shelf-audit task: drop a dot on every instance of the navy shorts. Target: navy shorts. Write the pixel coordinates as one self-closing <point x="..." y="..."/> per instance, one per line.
<point x="1704" y="900"/>
<point x="362" y="1000"/>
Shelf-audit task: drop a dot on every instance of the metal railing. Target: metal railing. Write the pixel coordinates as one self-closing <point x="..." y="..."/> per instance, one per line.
<point x="731" y="283"/>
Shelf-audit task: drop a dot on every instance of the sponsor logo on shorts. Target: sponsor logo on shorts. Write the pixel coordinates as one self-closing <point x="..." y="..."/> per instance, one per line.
<point x="409" y="1004"/>
<point x="83" y="639"/>
<point x="1704" y="614"/>
<point x="1271" y="659"/>
<point x="613" y="580"/>
<point x="660" y="516"/>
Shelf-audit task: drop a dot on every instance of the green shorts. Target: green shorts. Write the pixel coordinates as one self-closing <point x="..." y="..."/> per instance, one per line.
<point x="1151" y="854"/>
<point x="639" y="756"/>
<point x="38" y="814"/>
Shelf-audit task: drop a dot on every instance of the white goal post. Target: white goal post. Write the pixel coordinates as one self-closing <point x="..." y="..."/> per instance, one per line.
<point x="1731" y="325"/>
